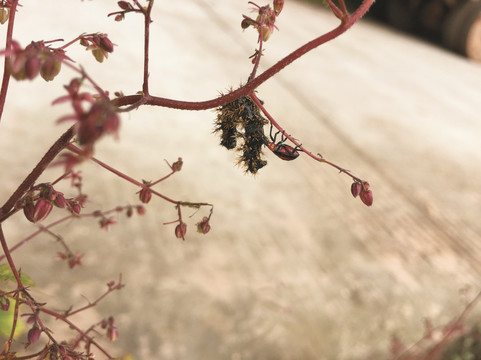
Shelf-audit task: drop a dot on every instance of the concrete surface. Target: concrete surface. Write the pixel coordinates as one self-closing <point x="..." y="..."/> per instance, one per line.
<point x="294" y="267"/>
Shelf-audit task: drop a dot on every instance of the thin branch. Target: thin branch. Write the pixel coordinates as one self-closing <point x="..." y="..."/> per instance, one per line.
<point x="8" y="46"/>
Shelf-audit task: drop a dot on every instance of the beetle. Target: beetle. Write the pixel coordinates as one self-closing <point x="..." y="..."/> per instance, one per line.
<point x="281" y="150"/>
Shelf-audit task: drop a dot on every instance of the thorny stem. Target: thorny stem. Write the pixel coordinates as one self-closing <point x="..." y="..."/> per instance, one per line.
<point x="254" y="83"/>
<point x="110" y="289"/>
<point x="76" y="150"/>
<point x="317" y="157"/>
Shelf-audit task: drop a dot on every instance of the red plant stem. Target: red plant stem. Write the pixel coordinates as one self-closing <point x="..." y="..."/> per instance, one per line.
<point x="64" y="318"/>
<point x="317" y="157"/>
<point x="147" y="21"/>
<point x="15" y="319"/>
<point x="118" y="286"/>
<point x="259" y="54"/>
<point x="31" y="236"/>
<point x="254" y="83"/>
<point x="15" y="272"/>
<point x="8" y="45"/>
<point x="29" y="181"/>
<point x="76" y="150"/>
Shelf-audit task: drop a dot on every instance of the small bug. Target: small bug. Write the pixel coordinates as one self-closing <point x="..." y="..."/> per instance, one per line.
<point x="281" y="150"/>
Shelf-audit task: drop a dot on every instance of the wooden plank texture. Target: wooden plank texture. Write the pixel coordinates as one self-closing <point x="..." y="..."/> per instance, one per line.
<point x="294" y="267"/>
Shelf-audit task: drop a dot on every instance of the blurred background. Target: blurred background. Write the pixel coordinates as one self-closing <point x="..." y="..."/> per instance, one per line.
<point x="453" y="24"/>
<point x="294" y="267"/>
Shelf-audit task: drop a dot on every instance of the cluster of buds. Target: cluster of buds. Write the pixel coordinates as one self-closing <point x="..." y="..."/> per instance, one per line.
<point x="126" y="8"/>
<point x="203" y="227"/>
<point x="40" y="200"/>
<point x="362" y="189"/>
<point x="101" y="118"/>
<point x="99" y="44"/>
<point x="265" y="20"/>
<point x="242" y="120"/>
<point x="36" y="58"/>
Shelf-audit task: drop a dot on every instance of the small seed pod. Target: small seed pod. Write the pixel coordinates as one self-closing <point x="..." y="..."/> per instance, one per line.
<point x="180" y="231"/>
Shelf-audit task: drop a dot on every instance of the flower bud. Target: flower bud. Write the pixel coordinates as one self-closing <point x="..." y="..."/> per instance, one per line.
<point x="59" y="200"/>
<point x="180" y="231"/>
<point x="355" y="188"/>
<point x="129" y="212"/>
<point x="177" y="166"/>
<point x="33" y="335"/>
<point x="145" y="195"/>
<point x="112" y="333"/>
<point x="74" y="207"/>
<point x="42" y="209"/>
<point x="203" y="227"/>
<point x="366" y="197"/>
<point x="50" y="68"/>
<point x="246" y="22"/>
<point x="29" y="210"/>
<point x="4" y="14"/>
<point x="278" y="5"/>
<point x="32" y="67"/>
<point x="140" y="210"/>
<point x="106" y="44"/>
<point x="124" y="5"/>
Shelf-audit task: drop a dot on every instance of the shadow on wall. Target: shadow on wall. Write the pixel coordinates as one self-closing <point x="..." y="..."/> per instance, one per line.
<point x="453" y="24"/>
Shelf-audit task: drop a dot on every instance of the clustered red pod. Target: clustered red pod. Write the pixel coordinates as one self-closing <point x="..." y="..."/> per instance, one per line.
<point x="36" y="58"/>
<point x="99" y="44"/>
<point x="38" y="203"/>
<point x="362" y="190"/>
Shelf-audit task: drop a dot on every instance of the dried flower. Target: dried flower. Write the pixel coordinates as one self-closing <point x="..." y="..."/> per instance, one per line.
<point x="203" y="227"/>
<point x="177" y="166"/>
